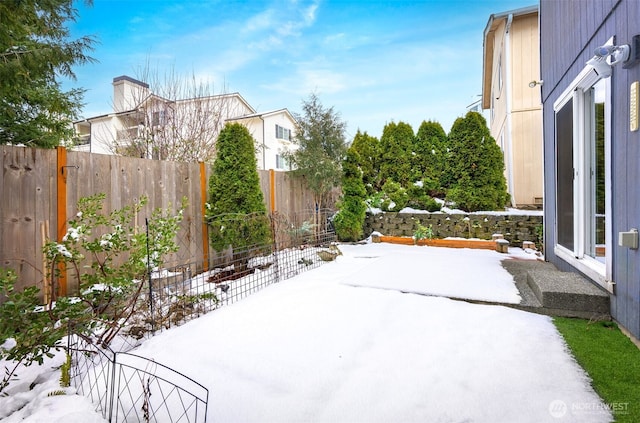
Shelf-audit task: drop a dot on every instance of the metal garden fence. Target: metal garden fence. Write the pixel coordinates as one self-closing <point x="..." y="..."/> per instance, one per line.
<point x="126" y="387"/>
<point x="183" y="292"/>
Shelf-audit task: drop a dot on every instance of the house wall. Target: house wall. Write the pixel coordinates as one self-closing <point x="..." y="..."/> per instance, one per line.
<point x="526" y="112"/>
<point x="275" y="146"/>
<point x="569" y="33"/>
<point x="263" y="130"/>
<point x="104" y="129"/>
<point x="103" y="134"/>
<point x="498" y="116"/>
<point x="516" y="122"/>
<point x="128" y="93"/>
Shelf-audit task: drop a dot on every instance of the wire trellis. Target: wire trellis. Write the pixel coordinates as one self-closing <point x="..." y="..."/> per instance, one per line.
<point x="127" y="387"/>
<point x="183" y="292"/>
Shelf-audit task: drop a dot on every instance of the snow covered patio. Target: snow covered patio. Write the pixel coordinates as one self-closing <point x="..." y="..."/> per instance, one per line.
<point x="330" y="346"/>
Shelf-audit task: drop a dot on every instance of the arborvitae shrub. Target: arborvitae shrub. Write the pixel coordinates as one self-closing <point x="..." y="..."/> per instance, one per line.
<point x="420" y="199"/>
<point x="430" y="153"/>
<point x="349" y="221"/>
<point x="475" y="166"/>
<point x="234" y="189"/>
<point x="396" y="197"/>
<point x="367" y="149"/>
<point x="396" y="153"/>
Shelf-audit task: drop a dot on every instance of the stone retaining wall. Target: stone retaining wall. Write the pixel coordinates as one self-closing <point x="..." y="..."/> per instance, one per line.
<point x="514" y="228"/>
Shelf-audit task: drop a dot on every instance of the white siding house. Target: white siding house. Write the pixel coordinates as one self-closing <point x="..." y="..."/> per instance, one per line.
<point x="274" y="132"/>
<point x="140" y="117"/>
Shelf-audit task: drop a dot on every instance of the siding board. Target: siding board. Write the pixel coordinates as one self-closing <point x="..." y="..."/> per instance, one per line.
<point x="563" y="56"/>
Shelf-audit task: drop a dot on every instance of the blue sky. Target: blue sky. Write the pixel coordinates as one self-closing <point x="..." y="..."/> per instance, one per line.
<point x="374" y="62"/>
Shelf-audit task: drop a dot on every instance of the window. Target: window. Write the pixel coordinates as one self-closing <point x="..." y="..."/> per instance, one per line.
<point x="281" y="162"/>
<point x="158" y="118"/>
<point x="583" y="203"/>
<point x="283" y="133"/>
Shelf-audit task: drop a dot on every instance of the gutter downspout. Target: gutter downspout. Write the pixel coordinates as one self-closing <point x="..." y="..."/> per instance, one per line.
<point x="507" y="89"/>
<point x="90" y="136"/>
<point x="264" y="147"/>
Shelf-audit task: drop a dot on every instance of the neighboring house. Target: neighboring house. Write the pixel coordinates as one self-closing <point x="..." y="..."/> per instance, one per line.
<point x="274" y="133"/>
<point x="592" y="146"/>
<point x="144" y="124"/>
<point x="510" y="65"/>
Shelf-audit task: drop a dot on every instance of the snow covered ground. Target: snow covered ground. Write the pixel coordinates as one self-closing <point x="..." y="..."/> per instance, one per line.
<point x="330" y="346"/>
<point x="465" y="273"/>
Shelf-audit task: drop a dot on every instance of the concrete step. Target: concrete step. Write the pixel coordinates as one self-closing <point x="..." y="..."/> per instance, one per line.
<point x="546" y="290"/>
<point x="567" y="291"/>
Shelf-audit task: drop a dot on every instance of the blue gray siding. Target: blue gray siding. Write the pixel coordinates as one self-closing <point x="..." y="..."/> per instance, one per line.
<point x="570" y="30"/>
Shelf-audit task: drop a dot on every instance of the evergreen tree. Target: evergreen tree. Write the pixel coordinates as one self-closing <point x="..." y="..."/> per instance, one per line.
<point x="476" y="166"/>
<point x="366" y="147"/>
<point x="349" y="221"/>
<point x="321" y="148"/>
<point x="430" y="148"/>
<point x="237" y="213"/>
<point x="396" y="154"/>
<point x="35" y="51"/>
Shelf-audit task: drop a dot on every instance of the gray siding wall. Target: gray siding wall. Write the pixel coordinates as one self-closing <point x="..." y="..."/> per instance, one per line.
<point x="570" y="30"/>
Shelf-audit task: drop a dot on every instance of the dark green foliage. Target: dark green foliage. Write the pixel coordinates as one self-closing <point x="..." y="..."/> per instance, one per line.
<point x="430" y="154"/>
<point x="395" y="196"/>
<point x="420" y="199"/>
<point x="234" y="189"/>
<point x="29" y="325"/>
<point x="349" y="221"/>
<point x="611" y="360"/>
<point x="396" y="154"/>
<point x="35" y="51"/>
<point x="321" y="148"/>
<point x="367" y="148"/>
<point x="476" y="166"/>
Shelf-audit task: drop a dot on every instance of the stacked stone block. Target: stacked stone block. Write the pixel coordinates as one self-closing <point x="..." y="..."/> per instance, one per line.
<point x="515" y="228"/>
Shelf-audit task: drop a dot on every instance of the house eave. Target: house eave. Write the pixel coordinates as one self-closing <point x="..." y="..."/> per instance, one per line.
<point x="489" y="46"/>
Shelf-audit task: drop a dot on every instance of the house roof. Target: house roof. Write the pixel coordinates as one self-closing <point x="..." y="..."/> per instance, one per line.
<point x="488" y="47"/>
<point x="264" y="114"/>
<point x="152" y="96"/>
<point x="130" y="79"/>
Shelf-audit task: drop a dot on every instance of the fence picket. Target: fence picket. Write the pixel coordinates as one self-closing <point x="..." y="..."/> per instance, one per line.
<point x="29" y="187"/>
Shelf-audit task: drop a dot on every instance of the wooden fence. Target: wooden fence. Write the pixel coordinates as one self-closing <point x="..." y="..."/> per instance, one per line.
<point x="40" y="189"/>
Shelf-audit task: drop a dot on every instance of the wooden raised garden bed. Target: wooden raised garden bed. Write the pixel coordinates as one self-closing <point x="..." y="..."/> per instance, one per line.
<point x="449" y="242"/>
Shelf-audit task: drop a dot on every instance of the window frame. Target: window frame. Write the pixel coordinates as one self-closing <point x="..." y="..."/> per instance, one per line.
<point x="283" y="133"/>
<point x="577" y="92"/>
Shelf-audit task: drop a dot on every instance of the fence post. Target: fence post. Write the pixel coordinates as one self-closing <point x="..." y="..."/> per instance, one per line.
<point x="112" y="388"/>
<point x="152" y="317"/>
<point x="61" y="206"/>
<point x="205" y="227"/>
<point x="272" y="190"/>
<point x="274" y="246"/>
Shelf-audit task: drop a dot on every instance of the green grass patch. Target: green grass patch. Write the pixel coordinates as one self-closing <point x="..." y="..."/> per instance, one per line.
<point x="611" y="360"/>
